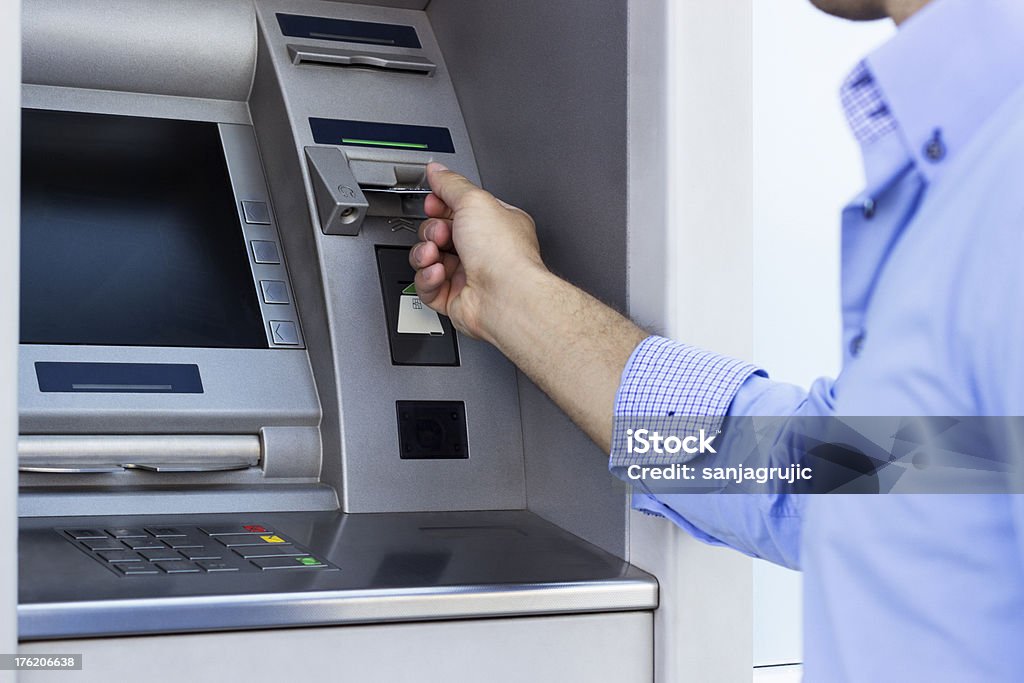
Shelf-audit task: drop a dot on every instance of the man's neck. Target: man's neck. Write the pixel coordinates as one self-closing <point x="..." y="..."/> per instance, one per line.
<point x="901" y="10"/>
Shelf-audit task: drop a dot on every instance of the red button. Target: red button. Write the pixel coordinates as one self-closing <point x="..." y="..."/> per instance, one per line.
<point x="254" y="528"/>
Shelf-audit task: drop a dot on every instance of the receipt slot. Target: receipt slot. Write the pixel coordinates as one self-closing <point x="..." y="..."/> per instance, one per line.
<point x="417" y="335"/>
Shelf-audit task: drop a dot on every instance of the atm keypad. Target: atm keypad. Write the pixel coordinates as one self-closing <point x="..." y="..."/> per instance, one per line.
<point x="192" y="550"/>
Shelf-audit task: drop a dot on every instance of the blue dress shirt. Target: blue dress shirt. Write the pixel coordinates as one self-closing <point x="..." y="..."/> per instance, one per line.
<point x="897" y="587"/>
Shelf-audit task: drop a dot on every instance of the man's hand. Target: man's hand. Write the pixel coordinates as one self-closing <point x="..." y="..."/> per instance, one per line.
<point x="473" y="247"/>
<point x="478" y="263"/>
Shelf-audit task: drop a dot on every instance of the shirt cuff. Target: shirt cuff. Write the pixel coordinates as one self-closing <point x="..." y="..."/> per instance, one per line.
<point x="664" y="378"/>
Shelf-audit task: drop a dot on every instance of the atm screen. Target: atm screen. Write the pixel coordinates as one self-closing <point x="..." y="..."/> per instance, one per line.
<point x="130" y="235"/>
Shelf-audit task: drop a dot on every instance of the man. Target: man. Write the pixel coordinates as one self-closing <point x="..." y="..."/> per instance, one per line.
<point x="897" y="587"/>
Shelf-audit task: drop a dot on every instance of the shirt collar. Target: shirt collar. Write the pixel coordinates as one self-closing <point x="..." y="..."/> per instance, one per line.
<point x="938" y="80"/>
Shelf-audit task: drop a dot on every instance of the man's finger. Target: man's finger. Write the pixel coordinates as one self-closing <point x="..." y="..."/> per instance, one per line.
<point x="451" y="264"/>
<point x="434" y="207"/>
<point x="449" y="186"/>
<point x="432" y="286"/>
<point x="437" y="231"/>
<point x="424" y="255"/>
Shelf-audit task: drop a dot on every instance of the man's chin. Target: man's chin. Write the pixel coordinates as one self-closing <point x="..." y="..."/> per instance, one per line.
<point x="856" y="10"/>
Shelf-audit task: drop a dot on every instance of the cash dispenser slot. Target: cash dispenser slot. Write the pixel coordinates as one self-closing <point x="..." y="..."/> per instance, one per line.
<point x="335" y="57"/>
<point x="83" y="454"/>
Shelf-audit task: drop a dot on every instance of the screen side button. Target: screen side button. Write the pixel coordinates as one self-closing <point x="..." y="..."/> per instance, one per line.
<point x="264" y="251"/>
<point x="274" y="292"/>
<point x="255" y="213"/>
<point x="284" y="332"/>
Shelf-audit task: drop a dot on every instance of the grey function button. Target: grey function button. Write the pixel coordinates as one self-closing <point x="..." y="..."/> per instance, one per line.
<point x="244" y="540"/>
<point x="106" y="544"/>
<point x="81" y="534"/>
<point x="217" y="566"/>
<point x="160" y="555"/>
<point x="143" y="543"/>
<point x="265" y="252"/>
<point x="165" y="531"/>
<point x="304" y="562"/>
<point x="274" y="292"/>
<point x="134" y="569"/>
<point x="284" y="332"/>
<point x="203" y="553"/>
<point x="255" y="213"/>
<point x="185" y="542"/>
<point x="178" y="567"/>
<point x="127" y="533"/>
<point x="249" y="552"/>
<point x="235" y="529"/>
<point x="116" y="556"/>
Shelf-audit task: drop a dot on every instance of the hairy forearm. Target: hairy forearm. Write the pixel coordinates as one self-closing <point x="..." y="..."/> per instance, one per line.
<point x="570" y="344"/>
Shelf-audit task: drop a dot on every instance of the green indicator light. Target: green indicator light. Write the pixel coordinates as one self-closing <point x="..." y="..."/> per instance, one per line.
<point x="309" y="561"/>
<point x="383" y="143"/>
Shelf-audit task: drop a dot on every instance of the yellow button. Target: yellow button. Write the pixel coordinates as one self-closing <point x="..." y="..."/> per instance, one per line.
<point x="273" y="539"/>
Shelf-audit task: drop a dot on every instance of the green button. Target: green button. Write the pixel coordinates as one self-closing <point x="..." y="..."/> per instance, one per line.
<point x="309" y="561"/>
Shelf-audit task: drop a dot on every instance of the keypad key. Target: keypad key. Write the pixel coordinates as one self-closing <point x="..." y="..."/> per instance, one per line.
<point x="159" y="555"/>
<point x="144" y="543"/>
<point x="185" y="542"/>
<point x="304" y="562"/>
<point x="105" y="544"/>
<point x="132" y="569"/>
<point x="165" y="531"/>
<point x="249" y="552"/>
<point x="235" y="529"/>
<point x="204" y="553"/>
<point x="82" y="534"/>
<point x="237" y="541"/>
<point x="178" y="567"/>
<point x="127" y="533"/>
<point x="115" y="556"/>
<point x="216" y="566"/>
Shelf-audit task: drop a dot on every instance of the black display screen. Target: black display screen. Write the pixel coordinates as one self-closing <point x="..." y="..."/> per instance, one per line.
<point x="130" y="236"/>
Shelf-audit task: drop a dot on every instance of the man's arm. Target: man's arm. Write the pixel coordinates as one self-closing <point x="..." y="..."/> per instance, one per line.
<point x="479" y="263"/>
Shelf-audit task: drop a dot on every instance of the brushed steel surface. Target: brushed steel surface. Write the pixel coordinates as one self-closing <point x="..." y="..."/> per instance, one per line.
<point x="393" y="567"/>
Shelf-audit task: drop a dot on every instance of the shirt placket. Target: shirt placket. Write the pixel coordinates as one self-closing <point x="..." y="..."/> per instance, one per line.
<point x="871" y="226"/>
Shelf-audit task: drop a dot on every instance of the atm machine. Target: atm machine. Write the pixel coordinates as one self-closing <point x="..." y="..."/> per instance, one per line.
<point x="244" y="444"/>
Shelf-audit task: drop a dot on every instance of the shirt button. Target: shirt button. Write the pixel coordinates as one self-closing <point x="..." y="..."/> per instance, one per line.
<point x="857" y="345"/>
<point x="935" y="148"/>
<point x="868" y="208"/>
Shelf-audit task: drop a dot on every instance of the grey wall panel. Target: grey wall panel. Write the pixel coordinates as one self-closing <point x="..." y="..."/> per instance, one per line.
<point x="543" y="89"/>
<point x="193" y="48"/>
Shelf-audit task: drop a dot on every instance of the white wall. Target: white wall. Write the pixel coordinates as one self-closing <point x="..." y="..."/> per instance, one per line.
<point x="806" y="166"/>
<point x="10" y="124"/>
<point x="689" y="149"/>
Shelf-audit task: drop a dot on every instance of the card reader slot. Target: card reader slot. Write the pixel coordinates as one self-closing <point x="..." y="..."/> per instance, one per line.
<point x="77" y="454"/>
<point x="337" y="57"/>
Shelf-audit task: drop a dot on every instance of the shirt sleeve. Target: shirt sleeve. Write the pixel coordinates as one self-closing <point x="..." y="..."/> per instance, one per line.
<point x="663" y="378"/>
